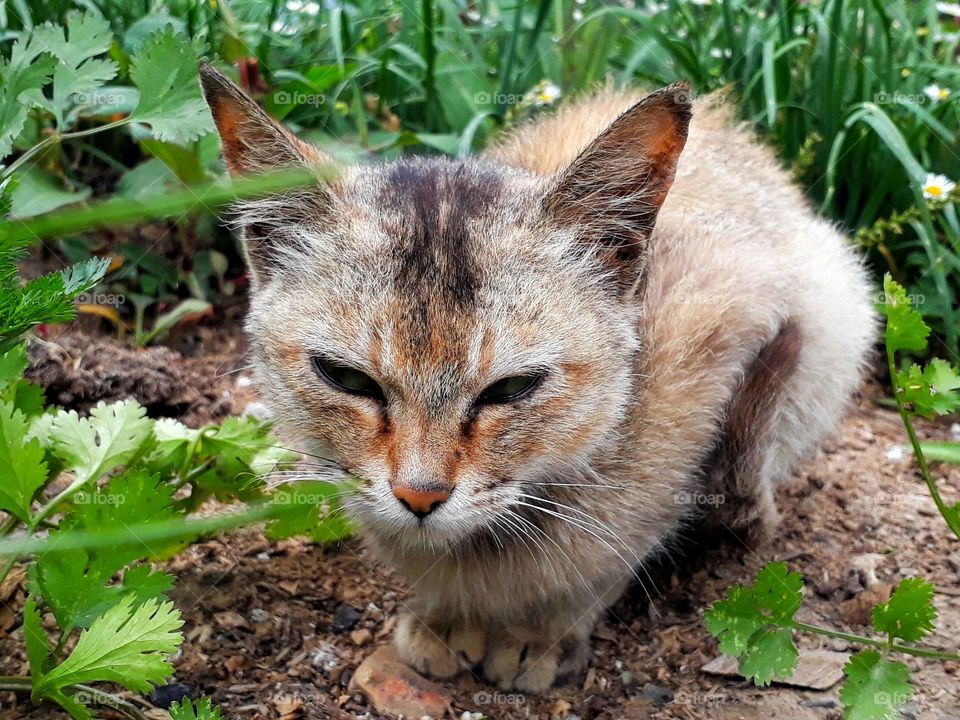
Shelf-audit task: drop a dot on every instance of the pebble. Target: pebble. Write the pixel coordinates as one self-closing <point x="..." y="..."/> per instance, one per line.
<point x="166" y="695"/>
<point x="325" y="657"/>
<point x="361" y="636"/>
<point x="895" y="452"/>
<point x="657" y="695"/>
<point x="259" y="615"/>
<point x="395" y="689"/>
<point x="344" y="618"/>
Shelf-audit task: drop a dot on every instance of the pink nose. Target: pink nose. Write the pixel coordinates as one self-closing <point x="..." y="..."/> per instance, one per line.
<point x="420" y="502"/>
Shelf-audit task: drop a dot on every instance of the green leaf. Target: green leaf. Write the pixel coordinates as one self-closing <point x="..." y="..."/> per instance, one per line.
<point x="78" y="584"/>
<point x="165" y="72"/>
<point x="770" y="654"/>
<point x="82" y="277"/>
<point x="306" y="508"/>
<point x="906" y="329"/>
<point x="109" y="438"/>
<point x="78" y="73"/>
<point x="12" y="364"/>
<point x="779" y="592"/>
<point x="22" y="79"/>
<point x="874" y="687"/>
<point x="127" y="645"/>
<point x="201" y="710"/>
<point x="931" y="391"/>
<point x="23" y="469"/>
<point x="38" y="646"/>
<point x="909" y="613"/>
<point x="734" y="620"/>
<point x="39" y="193"/>
<point x="943" y="451"/>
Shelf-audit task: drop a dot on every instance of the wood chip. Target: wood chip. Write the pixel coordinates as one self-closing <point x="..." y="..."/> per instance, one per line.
<point x="816" y="669"/>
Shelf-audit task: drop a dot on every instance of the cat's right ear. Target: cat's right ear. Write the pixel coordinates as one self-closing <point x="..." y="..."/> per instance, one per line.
<point x="252" y="141"/>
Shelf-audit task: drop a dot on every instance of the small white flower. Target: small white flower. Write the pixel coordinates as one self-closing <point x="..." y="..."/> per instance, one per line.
<point x="937" y="187"/>
<point x="946" y="8"/>
<point x="547" y="93"/>
<point x="936" y="93"/>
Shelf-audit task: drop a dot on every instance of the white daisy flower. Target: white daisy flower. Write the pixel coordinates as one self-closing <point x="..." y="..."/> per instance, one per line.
<point x="937" y="187"/>
<point x="946" y="8"/>
<point x="936" y="93"/>
<point x="546" y="93"/>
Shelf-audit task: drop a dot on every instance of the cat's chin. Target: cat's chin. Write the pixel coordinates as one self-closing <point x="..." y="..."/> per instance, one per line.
<point x="410" y="534"/>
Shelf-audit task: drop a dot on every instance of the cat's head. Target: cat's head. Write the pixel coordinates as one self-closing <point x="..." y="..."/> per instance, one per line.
<point x="453" y="333"/>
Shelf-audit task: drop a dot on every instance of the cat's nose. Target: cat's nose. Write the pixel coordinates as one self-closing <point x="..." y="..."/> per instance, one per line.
<point x="420" y="502"/>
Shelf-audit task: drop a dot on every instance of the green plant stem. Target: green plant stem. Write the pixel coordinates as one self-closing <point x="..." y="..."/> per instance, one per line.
<point x="126" y="211"/>
<point x="7" y="567"/>
<point x="881" y="644"/>
<point x="917" y="450"/>
<point x="105" y="699"/>
<point x="55" y="138"/>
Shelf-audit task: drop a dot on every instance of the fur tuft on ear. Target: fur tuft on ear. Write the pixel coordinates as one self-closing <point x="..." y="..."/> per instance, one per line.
<point x="611" y="193"/>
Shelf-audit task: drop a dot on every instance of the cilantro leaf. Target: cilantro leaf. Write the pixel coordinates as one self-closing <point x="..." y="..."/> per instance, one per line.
<point x="164" y="70"/>
<point x="23" y="469"/>
<point x="12" y="364"/>
<point x="906" y="329"/>
<point x="734" y="620"/>
<point x="874" y="687"/>
<point x="770" y="654"/>
<point x="38" y="646"/>
<point x="77" y="73"/>
<point x="112" y="436"/>
<point x="201" y="710"/>
<point x="909" y="613"/>
<point x="22" y="79"/>
<point x="127" y="645"/>
<point x="930" y="391"/>
<point x="77" y="583"/>
<point x="778" y="592"/>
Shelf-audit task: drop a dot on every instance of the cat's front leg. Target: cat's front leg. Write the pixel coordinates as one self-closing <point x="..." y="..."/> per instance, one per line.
<point x="436" y="644"/>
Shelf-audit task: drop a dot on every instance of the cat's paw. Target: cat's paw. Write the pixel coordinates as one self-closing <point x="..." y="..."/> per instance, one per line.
<point x="533" y="666"/>
<point x="434" y="649"/>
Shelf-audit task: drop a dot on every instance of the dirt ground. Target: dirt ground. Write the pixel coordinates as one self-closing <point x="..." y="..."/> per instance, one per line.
<point x="277" y="630"/>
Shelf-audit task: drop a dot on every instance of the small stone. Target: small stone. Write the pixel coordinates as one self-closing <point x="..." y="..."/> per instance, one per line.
<point x="894" y="452"/>
<point x="166" y="695"/>
<point x="325" y="657"/>
<point x="627" y="678"/>
<point x="361" y="636"/>
<point x="656" y="695"/>
<point x="259" y="615"/>
<point x="395" y="689"/>
<point x="344" y="618"/>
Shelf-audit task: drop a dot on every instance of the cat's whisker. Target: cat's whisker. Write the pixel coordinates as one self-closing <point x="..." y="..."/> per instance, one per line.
<point x="578" y="524"/>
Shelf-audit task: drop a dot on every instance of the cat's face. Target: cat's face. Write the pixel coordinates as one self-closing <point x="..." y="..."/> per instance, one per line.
<point x="443" y="330"/>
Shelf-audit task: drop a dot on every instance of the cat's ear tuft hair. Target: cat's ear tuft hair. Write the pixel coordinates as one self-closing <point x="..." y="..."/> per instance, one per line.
<point x="611" y="193"/>
<point x="252" y="141"/>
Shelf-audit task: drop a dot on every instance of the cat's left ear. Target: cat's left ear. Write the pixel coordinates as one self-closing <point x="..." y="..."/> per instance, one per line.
<point x="612" y="192"/>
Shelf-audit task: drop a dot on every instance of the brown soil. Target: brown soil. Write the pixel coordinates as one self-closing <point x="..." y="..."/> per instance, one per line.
<point x="269" y="633"/>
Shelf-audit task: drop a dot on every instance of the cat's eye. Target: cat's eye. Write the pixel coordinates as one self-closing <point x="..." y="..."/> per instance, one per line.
<point x="510" y="389"/>
<point x="347" y="379"/>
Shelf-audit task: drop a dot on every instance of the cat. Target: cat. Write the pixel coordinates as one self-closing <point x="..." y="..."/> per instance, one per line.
<point x="543" y="363"/>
